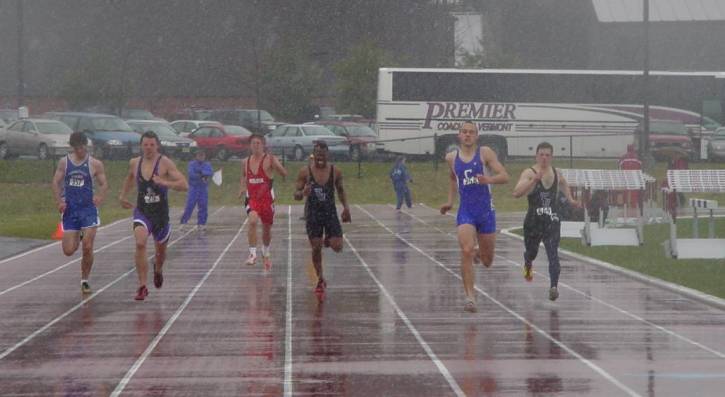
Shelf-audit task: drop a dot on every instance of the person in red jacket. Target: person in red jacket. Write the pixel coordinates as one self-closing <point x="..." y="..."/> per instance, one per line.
<point x="630" y="161"/>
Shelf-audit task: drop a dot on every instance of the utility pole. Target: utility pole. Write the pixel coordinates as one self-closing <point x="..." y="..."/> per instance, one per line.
<point x="21" y="81"/>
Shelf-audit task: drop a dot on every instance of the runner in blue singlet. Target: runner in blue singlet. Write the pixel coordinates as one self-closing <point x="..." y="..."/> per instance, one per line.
<point x="74" y="187"/>
<point x="473" y="169"/>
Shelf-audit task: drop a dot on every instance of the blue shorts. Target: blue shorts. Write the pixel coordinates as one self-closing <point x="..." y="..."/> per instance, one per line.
<point x="161" y="234"/>
<point x="80" y="218"/>
<point x="483" y="220"/>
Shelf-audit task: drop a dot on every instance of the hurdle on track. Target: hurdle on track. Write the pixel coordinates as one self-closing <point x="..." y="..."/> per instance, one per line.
<point x="696" y="181"/>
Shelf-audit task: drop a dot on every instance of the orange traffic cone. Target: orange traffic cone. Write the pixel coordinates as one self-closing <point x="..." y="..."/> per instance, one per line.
<point x="58" y="233"/>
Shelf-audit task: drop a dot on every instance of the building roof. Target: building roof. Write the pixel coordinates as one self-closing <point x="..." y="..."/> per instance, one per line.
<point x="660" y="10"/>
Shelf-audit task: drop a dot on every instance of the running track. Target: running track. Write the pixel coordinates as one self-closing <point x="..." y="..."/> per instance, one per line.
<point x="391" y="323"/>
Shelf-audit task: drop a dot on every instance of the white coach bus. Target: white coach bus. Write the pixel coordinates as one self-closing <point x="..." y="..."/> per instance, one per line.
<point x="515" y="109"/>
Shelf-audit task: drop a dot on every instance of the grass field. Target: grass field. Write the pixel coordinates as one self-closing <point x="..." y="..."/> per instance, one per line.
<point x="26" y="200"/>
<point x="705" y="275"/>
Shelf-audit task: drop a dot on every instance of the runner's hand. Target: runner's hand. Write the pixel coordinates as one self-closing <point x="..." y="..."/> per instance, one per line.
<point x="537" y="176"/>
<point x="306" y="191"/>
<point x="346" y="215"/>
<point x="125" y="203"/>
<point x="445" y="208"/>
<point x="159" y="180"/>
<point x="61" y="207"/>
<point x="484" y="179"/>
<point x="97" y="200"/>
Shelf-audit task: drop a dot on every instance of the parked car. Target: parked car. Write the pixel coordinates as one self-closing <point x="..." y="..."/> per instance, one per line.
<point x="111" y="136"/>
<point x="192" y="113"/>
<point x="8" y="115"/>
<point x="296" y="141"/>
<point x="258" y="121"/>
<point x="222" y="141"/>
<point x="137" y="114"/>
<point x="172" y="144"/>
<point x="186" y="127"/>
<point x="361" y="138"/>
<point x="36" y="137"/>
<point x="716" y="145"/>
<point x="668" y="136"/>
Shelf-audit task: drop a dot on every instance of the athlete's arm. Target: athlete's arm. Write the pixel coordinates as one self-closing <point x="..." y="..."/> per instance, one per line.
<point x="301" y="187"/>
<point x="564" y="187"/>
<point x="526" y="182"/>
<point x="452" y="185"/>
<point x="172" y="178"/>
<point x="341" y="194"/>
<point x="243" y="179"/>
<point x="127" y="183"/>
<point x="100" y="194"/>
<point x="500" y="175"/>
<point x="57" y="181"/>
<point x="278" y="167"/>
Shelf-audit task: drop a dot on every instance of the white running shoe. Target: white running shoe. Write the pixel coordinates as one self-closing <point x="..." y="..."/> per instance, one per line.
<point x="251" y="260"/>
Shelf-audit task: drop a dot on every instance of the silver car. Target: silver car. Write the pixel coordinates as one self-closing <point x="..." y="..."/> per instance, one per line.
<point x="38" y="137"/>
<point x="186" y="127"/>
<point x="716" y="145"/>
<point x="296" y="141"/>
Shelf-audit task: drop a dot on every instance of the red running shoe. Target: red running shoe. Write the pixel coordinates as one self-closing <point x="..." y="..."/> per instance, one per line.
<point x="142" y="293"/>
<point x="158" y="279"/>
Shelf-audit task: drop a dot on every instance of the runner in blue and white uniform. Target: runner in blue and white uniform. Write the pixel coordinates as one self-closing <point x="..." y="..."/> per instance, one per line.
<point x="154" y="174"/>
<point x="79" y="187"/>
<point x="473" y="169"/>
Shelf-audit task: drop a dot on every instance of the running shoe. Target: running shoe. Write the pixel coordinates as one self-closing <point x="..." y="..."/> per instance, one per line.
<point x="251" y="260"/>
<point x="85" y="287"/>
<point x="470" y="306"/>
<point x="553" y="293"/>
<point x="267" y="259"/>
<point x="142" y="293"/>
<point x="321" y="286"/>
<point x="158" y="279"/>
<point x="202" y="228"/>
<point x="528" y="272"/>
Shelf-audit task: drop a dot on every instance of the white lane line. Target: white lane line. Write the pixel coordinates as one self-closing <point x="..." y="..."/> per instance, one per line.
<point x="288" y="322"/>
<point x="76" y="307"/>
<point x="60" y="267"/>
<point x="606" y="375"/>
<point x="122" y="384"/>
<point x="431" y="354"/>
<point x="595" y="299"/>
<point x="22" y="254"/>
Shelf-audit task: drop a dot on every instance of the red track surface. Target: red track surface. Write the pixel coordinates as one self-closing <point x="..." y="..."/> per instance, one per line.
<point x="391" y="323"/>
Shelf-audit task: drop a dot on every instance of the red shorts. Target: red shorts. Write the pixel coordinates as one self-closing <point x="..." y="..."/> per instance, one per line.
<point x="264" y="209"/>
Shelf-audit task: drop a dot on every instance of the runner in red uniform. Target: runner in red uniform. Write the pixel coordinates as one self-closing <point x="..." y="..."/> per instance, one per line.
<point x="256" y="188"/>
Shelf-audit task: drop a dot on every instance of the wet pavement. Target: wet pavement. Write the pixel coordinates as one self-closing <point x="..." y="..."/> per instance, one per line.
<point x="391" y="323"/>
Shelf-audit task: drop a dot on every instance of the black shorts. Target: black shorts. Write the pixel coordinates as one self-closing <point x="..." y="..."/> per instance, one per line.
<point x="328" y="226"/>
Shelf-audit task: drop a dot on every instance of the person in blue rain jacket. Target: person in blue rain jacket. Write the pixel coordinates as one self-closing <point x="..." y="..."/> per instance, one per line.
<point x="400" y="177"/>
<point x="200" y="172"/>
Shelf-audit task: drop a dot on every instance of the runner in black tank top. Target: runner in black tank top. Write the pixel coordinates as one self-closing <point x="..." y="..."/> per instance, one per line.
<point x="542" y="222"/>
<point x="318" y="183"/>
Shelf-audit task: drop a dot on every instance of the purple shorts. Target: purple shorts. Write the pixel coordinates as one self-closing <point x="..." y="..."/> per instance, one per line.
<point x="161" y="233"/>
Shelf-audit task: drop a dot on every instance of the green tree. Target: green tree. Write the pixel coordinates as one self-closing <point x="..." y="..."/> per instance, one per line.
<point x="290" y="81"/>
<point x="357" y="77"/>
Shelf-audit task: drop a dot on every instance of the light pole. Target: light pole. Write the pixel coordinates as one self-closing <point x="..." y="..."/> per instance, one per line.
<point x="644" y="139"/>
<point x="21" y="81"/>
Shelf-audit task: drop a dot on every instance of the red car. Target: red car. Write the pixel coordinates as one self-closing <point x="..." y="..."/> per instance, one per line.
<point x="361" y="138"/>
<point x="222" y="141"/>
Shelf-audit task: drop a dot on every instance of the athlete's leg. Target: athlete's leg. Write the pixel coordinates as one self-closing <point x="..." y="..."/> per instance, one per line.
<point x="467" y="242"/>
<point x="532" y="238"/>
<point x="89" y="235"/>
<point x="551" y="244"/>
<point x="253" y="221"/>
<point x="141" y="235"/>
<point x="486" y="246"/>
<point x="398" y="197"/>
<point x="336" y="243"/>
<point x="71" y="241"/>
<point x="316" y="245"/>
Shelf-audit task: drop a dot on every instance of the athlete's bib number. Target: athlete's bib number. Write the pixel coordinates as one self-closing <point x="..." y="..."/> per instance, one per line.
<point x="76" y="181"/>
<point x="320" y="194"/>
